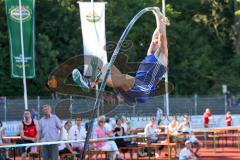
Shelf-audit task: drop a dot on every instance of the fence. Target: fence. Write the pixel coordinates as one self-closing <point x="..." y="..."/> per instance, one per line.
<point x="69" y="107"/>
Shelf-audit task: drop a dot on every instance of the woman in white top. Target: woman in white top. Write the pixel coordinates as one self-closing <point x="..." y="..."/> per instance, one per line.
<point x="185" y="127"/>
<point x="173" y="125"/>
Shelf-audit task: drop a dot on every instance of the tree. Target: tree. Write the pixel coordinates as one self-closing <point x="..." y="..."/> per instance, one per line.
<point x="201" y="42"/>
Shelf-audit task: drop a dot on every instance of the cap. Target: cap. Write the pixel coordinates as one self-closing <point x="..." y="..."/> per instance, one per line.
<point x="188" y="141"/>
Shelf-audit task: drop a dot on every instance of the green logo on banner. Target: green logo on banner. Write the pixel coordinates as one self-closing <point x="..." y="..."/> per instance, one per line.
<point x="15" y="13"/>
<point x="93" y="17"/>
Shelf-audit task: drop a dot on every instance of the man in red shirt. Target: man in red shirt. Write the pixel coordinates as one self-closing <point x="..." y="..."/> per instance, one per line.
<point x="28" y="131"/>
<point x="228" y="119"/>
<point x="206" y="117"/>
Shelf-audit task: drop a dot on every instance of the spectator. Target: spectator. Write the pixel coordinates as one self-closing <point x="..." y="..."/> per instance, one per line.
<point x="173" y="125"/>
<point x="65" y="147"/>
<point x="124" y="124"/>
<point x="108" y="127"/>
<point x="50" y="130"/>
<point x="99" y="132"/>
<point x="34" y="113"/>
<point x="233" y="101"/>
<point x="78" y="132"/>
<point x="150" y="131"/>
<point x="52" y="86"/>
<point x="129" y="128"/>
<point x="185" y="127"/>
<point x="2" y="134"/>
<point x="159" y="115"/>
<point x="228" y="119"/>
<point x="119" y="131"/>
<point x="207" y="116"/>
<point x="28" y="132"/>
<point x="185" y="153"/>
<point x="2" y="100"/>
<point x="228" y="95"/>
<point x="129" y="132"/>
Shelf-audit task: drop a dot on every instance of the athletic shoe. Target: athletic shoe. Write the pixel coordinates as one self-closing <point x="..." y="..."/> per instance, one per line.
<point x="80" y="80"/>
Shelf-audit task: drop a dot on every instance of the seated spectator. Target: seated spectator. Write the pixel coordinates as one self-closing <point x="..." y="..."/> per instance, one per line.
<point x="65" y="147"/>
<point x="28" y="132"/>
<point x="2" y="134"/>
<point x="103" y="145"/>
<point x="124" y="124"/>
<point x="129" y="127"/>
<point x="173" y="125"/>
<point x="130" y="132"/>
<point x="185" y="153"/>
<point x="119" y="131"/>
<point x="228" y="119"/>
<point x="150" y="131"/>
<point x="108" y="127"/>
<point x="78" y="132"/>
<point x="185" y="127"/>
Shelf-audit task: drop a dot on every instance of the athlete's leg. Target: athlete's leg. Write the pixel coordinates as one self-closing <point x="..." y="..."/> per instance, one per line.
<point x="116" y="79"/>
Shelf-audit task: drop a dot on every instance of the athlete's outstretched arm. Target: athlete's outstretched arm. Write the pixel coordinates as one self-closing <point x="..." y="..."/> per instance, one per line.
<point x="158" y="45"/>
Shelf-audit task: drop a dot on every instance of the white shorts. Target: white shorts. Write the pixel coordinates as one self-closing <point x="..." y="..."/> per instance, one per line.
<point x="110" y="146"/>
<point x="77" y="145"/>
<point x="193" y="139"/>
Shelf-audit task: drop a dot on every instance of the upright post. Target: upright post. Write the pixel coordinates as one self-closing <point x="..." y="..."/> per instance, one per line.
<point x="195" y="104"/>
<point x="5" y="108"/>
<point x="71" y="100"/>
<point x="38" y="107"/>
<point x="166" y="75"/>
<point x="23" y="56"/>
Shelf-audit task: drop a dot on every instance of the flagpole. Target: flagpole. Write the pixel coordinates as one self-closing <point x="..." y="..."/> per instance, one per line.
<point x="98" y="109"/>
<point x="23" y="56"/>
<point x="166" y="75"/>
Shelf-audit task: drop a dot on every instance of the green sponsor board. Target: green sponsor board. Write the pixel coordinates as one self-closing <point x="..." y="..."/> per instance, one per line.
<point x="14" y="11"/>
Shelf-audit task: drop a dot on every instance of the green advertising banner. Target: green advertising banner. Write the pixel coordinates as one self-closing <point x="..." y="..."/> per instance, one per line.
<point x="13" y="11"/>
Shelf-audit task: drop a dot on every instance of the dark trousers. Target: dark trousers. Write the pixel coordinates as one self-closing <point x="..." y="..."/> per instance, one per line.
<point x="23" y="141"/>
<point x="65" y="150"/>
<point x="50" y="152"/>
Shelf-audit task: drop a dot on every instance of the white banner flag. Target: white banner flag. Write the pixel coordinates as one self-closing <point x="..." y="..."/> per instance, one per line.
<point x="92" y="17"/>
